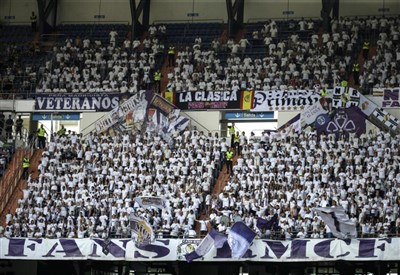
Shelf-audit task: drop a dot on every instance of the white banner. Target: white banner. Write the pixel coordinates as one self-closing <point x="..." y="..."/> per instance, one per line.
<point x="300" y="250"/>
<point x="310" y="114"/>
<point x="148" y="202"/>
<point x="290" y="100"/>
<point x="137" y="104"/>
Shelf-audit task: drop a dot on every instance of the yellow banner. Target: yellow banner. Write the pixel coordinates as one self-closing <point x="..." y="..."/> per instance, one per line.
<point x="247" y="100"/>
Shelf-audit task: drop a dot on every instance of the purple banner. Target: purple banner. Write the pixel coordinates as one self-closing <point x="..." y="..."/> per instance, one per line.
<point x="391" y="98"/>
<point x="341" y="121"/>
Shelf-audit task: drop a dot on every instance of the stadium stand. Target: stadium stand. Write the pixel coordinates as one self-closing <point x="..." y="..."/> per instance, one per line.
<point x="87" y="185"/>
<point x="105" y="60"/>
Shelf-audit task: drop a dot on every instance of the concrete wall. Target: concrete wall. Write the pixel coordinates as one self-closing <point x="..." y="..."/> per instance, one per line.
<point x="87" y="121"/>
<point x="284" y="117"/>
<point x="204" y="120"/>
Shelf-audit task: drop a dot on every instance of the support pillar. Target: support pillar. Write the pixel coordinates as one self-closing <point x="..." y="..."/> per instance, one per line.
<point x="141" y="9"/>
<point x="45" y="9"/>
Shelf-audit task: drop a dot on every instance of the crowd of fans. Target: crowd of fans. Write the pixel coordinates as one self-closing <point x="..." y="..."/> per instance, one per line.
<point x="383" y="69"/>
<point x="296" y="55"/>
<point x="16" y="75"/>
<point x="88" y="66"/>
<point x="288" y="62"/>
<point x="87" y="185"/>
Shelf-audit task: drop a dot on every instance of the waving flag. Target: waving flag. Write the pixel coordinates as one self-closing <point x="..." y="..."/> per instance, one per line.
<point x="337" y="221"/>
<point x="212" y="239"/>
<point x="142" y="232"/>
<point x="268" y="224"/>
<point x="240" y="238"/>
<point x="148" y="201"/>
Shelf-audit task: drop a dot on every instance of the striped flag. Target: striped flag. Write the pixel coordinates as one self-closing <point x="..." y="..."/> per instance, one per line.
<point x="213" y="239"/>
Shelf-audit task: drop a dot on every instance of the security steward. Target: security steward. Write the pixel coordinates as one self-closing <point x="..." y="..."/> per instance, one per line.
<point x="323" y="92"/>
<point x="229" y="160"/>
<point x="365" y="49"/>
<point x="25" y="167"/>
<point x="325" y="101"/>
<point x="356" y="74"/>
<point x="232" y="134"/>
<point x="171" y="56"/>
<point x="157" y="81"/>
<point x="62" y="131"/>
<point x="41" y="132"/>
<point x="236" y="142"/>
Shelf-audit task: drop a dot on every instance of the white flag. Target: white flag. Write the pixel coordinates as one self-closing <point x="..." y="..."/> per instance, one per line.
<point x="337" y="221"/>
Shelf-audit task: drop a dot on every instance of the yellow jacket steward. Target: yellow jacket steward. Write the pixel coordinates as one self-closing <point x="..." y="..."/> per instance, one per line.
<point x="356" y="67"/>
<point x="171" y="50"/>
<point x="236" y="139"/>
<point x="229" y="155"/>
<point x="41" y="132"/>
<point x="365" y="46"/>
<point x="232" y="130"/>
<point x="343" y="83"/>
<point x="157" y="76"/>
<point x="61" y="132"/>
<point x="323" y="93"/>
<point x="25" y="163"/>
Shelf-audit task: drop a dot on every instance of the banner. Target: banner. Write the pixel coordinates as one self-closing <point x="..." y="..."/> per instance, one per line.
<point x="246" y="100"/>
<point x="385" y="121"/>
<point x="342" y="121"/>
<point x="310" y="114"/>
<point x="345" y="97"/>
<point x="391" y="98"/>
<point x="201" y="100"/>
<point x="136" y="105"/>
<point x="324" y="109"/>
<point x="78" y="102"/>
<point x="266" y="250"/>
<point x="147" y="202"/>
<point x="290" y="100"/>
<point x="165" y="119"/>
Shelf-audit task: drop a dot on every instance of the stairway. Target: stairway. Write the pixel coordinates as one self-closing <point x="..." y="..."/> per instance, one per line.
<point x="13" y="183"/>
<point x="360" y="60"/>
<point x="219" y="186"/>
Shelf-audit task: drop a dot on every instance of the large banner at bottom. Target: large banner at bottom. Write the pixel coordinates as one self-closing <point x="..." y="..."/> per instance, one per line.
<point x="300" y="250"/>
